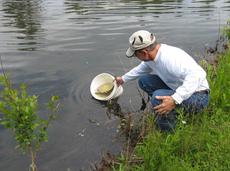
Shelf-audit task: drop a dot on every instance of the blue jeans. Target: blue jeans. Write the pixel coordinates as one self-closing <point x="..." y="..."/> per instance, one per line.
<point x="154" y="86"/>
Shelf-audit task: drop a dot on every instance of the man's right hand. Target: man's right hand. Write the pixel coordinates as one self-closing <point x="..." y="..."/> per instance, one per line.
<point x="119" y="81"/>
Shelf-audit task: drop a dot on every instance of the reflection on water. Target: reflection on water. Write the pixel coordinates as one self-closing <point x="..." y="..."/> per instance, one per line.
<point x="74" y="6"/>
<point x="25" y="16"/>
<point x="151" y="1"/>
<point x="29" y="26"/>
<point x="58" y="46"/>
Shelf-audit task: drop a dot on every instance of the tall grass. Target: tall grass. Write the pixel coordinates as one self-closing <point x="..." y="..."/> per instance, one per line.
<point x="200" y="143"/>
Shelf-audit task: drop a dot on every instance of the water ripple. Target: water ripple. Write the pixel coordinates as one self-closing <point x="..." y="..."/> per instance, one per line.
<point x="59" y="46"/>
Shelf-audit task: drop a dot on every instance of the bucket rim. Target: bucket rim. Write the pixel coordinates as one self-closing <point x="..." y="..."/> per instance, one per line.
<point x="109" y="97"/>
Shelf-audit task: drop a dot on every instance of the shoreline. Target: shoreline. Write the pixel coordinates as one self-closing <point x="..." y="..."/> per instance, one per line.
<point x="134" y="156"/>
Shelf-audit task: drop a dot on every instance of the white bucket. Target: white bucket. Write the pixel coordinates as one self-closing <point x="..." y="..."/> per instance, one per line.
<point x="102" y="79"/>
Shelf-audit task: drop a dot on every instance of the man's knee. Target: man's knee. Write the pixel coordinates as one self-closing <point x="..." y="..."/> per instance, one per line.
<point x="141" y="83"/>
<point x="155" y="101"/>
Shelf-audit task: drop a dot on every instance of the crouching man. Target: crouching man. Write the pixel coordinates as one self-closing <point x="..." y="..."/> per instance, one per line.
<point x="169" y="75"/>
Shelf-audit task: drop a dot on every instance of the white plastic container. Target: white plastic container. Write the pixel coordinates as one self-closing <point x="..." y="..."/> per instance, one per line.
<point x="102" y="79"/>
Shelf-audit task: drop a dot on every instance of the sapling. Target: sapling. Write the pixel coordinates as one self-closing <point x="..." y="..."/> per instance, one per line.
<point x="20" y="114"/>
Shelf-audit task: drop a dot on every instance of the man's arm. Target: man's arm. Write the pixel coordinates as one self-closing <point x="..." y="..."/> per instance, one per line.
<point x="136" y="72"/>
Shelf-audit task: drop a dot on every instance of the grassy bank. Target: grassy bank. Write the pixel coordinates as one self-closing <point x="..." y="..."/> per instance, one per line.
<point x="200" y="142"/>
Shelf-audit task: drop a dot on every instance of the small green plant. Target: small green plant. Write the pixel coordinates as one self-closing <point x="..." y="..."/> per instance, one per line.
<point x="20" y="114"/>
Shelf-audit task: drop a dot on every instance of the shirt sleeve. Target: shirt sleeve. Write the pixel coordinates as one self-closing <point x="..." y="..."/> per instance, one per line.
<point x="136" y="72"/>
<point x="192" y="79"/>
<point x="188" y="87"/>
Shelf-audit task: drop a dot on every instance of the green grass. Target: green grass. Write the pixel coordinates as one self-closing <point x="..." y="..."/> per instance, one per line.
<point x="203" y="143"/>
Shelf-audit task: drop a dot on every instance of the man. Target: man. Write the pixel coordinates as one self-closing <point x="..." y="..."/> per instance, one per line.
<point x="169" y="75"/>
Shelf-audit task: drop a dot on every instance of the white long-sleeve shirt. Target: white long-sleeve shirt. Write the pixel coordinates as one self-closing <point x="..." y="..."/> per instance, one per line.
<point x="178" y="70"/>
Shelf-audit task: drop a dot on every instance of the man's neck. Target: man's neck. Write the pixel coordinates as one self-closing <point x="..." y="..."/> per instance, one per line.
<point x="154" y="51"/>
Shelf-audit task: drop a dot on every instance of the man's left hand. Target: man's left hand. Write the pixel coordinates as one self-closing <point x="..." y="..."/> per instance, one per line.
<point x="166" y="106"/>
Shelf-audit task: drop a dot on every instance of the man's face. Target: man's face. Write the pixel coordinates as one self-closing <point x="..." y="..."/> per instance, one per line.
<point x="142" y="55"/>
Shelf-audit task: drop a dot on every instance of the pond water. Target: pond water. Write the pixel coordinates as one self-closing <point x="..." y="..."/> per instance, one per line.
<point x="57" y="47"/>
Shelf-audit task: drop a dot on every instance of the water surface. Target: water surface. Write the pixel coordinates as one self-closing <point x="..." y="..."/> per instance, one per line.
<point x="58" y="46"/>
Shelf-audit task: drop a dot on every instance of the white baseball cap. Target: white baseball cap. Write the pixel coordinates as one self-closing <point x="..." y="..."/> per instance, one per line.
<point x="139" y="40"/>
